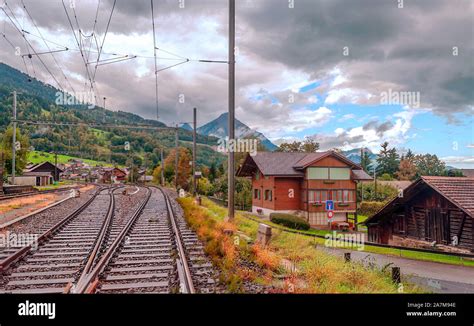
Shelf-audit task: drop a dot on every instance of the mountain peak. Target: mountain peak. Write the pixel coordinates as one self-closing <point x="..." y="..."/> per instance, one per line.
<point x="219" y="128"/>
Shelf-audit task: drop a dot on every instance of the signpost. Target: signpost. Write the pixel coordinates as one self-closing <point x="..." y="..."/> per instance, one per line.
<point x="330" y="210"/>
<point x="329" y="205"/>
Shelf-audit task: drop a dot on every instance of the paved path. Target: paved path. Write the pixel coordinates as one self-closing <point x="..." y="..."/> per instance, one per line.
<point x="435" y="277"/>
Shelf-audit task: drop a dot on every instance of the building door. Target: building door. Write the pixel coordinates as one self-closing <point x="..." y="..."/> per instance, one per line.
<point x="437" y="226"/>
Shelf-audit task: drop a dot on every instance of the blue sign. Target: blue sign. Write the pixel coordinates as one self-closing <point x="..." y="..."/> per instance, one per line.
<point x="329" y="205"/>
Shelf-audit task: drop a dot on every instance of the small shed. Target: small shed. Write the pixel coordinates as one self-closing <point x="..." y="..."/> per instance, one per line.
<point x="439" y="210"/>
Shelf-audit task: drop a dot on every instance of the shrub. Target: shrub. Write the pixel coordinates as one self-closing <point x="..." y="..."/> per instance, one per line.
<point x="290" y="221"/>
<point x="369" y="208"/>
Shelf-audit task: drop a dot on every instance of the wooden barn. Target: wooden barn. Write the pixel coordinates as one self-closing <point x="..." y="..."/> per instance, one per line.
<point x="43" y="168"/>
<point x="434" y="210"/>
<point x="301" y="183"/>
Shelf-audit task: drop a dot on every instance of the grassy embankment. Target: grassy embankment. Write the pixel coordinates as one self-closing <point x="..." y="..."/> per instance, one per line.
<point x="312" y="270"/>
<point x="405" y="253"/>
<point x="40" y="157"/>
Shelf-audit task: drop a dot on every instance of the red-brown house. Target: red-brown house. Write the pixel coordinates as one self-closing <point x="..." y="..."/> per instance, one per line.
<point x="112" y="175"/>
<point x="301" y="183"/>
<point x="433" y="209"/>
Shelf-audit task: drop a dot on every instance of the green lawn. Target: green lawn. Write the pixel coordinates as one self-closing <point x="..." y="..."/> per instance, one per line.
<point x="39" y="157"/>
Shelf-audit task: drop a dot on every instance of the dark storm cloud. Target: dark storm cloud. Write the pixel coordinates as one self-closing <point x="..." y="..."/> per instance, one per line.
<point x="380" y="128"/>
<point x="409" y="49"/>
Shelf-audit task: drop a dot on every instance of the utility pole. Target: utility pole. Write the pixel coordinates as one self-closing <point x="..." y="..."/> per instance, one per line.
<point x="14" y="139"/>
<point x="375" y="185"/>
<point x="230" y="171"/>
<point x="104" y="110"/>
<point x="162" y="169"/>
<point x="56" y="178"/>
<point x="176" y="158"/>
<point x="194" y="150"/>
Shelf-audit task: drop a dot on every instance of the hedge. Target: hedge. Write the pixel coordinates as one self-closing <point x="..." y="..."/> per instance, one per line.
<point x="369" y="208"/>
<point x="288" y="220"/>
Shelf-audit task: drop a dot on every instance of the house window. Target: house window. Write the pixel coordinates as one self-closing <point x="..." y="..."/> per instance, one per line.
<point x="342" y="196"/>
<point x="268" y="195"/>
<point x="324" y="173"/>
<point x="318" y="173"/>
<point x="318" y="196"/>
<point x="256" y="193"/>
<point x="340" y="173"/>
<point x="257" y="175"/>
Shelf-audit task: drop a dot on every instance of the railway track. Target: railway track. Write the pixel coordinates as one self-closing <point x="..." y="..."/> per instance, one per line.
<point x="149" y="250"/>
<point x="151" y="255"/>
<point x="62" y="252"/>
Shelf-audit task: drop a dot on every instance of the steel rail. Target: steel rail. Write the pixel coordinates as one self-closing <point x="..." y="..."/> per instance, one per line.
<point x="7" y="262"/>
<point x="103" y="231"/>
<point x="88" y="282"/>
<point x="184" y="272"/>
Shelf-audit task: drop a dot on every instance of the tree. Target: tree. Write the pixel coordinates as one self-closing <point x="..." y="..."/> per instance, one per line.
<point x="365" y="161"/>
<point x="289" y="147"/>
<point x="204" y="187"/>
<point x="184" y="168"/>
<point x="212" y="172"/>
<point x="21" y="154"/>
<point x="388" y="160"/>
<point x="309" y="145"/>
<point x="429" y="165"/>
<point x="406" y="170"/>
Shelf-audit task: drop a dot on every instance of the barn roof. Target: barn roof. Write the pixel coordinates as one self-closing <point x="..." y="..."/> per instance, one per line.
<point x="291" y="164"/>
<point x="459" y="191"/>
<point x="51" y="166"/>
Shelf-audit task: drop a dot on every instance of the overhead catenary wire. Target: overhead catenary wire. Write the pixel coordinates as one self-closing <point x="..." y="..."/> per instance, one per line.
<point x="93" y="30"/>
<point x="103" y="40"/>
<point x="46" y="44"/>
<point x="29" y="44"/>
<point x="88" y="75"/>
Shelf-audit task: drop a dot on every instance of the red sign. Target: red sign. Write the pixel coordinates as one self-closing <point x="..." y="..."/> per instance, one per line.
<point x="330" y="214"/>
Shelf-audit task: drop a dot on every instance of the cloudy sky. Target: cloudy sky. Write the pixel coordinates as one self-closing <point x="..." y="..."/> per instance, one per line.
<point x="350" y="73"/>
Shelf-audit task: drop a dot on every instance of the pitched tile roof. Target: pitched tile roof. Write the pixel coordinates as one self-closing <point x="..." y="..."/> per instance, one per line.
<point x="460" y="191"/>
<point x="290" y="164"/>
<point x="278" y="163"/>
<point x="360" y="175"/>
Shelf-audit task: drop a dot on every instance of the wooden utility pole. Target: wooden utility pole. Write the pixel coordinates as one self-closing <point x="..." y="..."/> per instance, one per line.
<point x="104" y="110"/>
<point x="162" y="169"/>
<point x="14" y="139"/>
<point x="56" y="177"/>
<point x="231" y="170"/>
<point x="176" y="158"/>
<point x="194" y="150"/>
